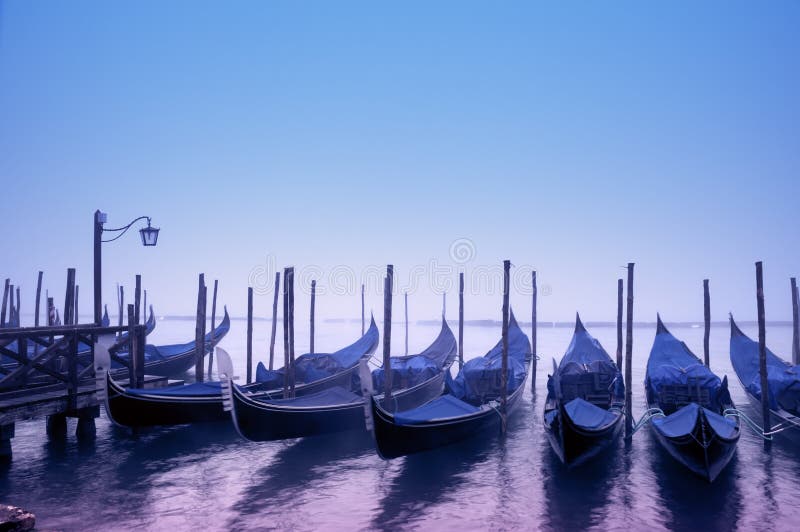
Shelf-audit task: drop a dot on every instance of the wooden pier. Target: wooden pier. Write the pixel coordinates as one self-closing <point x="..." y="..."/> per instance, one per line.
<point x="50" y="372"/>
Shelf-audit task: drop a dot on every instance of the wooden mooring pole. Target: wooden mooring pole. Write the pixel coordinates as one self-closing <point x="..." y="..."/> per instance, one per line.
<point x="137" y="299"/>
<point x="10" y="321"/>
<point x="38" y="300"/>
<point x="19" y="303"/>
<point x="5" y="305"/>
<point x="75" y="313"/>
<point x="362" y="310"/>
<point x="619" y="324"/>
<point x="199" y="329"/>
<point x="387" y="337"/>
<point x="535" y="293"/>
<point x="311" y="314"/>
<point x="249" y="334"/>
<point x="274" y="320"/>
<point x="286" y="368"/>
<point x="290" y="281"/>
<point x="405" y="299"/>
<point x="144" y="307"/>
<point x="460" y="320"/>
<point x="795" y="324"/>
<point x="213" y="326"/>
<point x="629" y="358"/>
<point x="69" y="298"/>
<point x="120" y="304"/>
<point x="504" y="370"/>
<point x="706" y="323"/>
<point x="762" y="353"/>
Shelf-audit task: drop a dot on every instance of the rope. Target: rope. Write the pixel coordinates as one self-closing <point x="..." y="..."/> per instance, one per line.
<point x="759" y="431"/>
<point x="646" y="418"/>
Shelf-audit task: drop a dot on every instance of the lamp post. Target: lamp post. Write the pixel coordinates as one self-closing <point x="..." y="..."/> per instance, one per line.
<point x="149" y="236"/>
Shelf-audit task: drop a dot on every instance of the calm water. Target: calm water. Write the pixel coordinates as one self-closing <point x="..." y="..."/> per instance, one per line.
<point x="206" y="477"/>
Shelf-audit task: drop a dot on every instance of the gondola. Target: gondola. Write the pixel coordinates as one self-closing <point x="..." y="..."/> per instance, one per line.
<point x="690" y="402"/>
<point x="201" y="402"/>
<point x="469" y="408"/>
<point x="174" y="359"/>
<point x="583" y="412"/>
<point x="783" y="378"/>
<point x="416" y="379"/>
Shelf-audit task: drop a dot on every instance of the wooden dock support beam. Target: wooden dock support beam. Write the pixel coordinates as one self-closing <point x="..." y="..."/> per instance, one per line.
<point x="86" y="429"/>
<point x="629" y="358"/>
<point x="504" y="374"/>
<point x="249" y="334"/>
<point x="6" y="434"/>
<point x="274" y="320"/>
<point x="706" y="323"/>
<point x="388" y="283"/>
<point x="795" y="324"/>
<point x="762" y="353"/>
<point x="460" y="320"/>
<point x="69" y="298"/>
<point x="38" y="299"/>
<point x="57" y="427"/>
<point x="311" y="314"/>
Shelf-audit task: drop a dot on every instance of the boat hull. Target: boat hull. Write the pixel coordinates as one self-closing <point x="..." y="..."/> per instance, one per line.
<point x="133" y="410"/>
<point x="575" y="445"/>
<point x="393" y="440"/>
<point x="703" y="452"/>
<point x="260" y="421"/>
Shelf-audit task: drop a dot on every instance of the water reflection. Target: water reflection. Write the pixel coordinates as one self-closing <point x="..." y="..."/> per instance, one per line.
<point x="295" y="466"/>
<point x="577" y="498"/>
<point x="692" y="503"/>
<point x="429" y="478"/>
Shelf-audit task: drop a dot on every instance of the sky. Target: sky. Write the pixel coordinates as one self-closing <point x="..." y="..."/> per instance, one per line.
<point x="338" y="137"/>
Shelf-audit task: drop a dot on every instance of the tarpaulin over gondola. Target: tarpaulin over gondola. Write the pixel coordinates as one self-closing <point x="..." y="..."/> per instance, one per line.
<point x="682" y="422"/>
<point x="479" y="380"/>
<point x="782" y="377"/>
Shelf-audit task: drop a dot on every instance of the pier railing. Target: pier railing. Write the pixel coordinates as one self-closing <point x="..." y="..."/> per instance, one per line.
<point x="38" y="360"/>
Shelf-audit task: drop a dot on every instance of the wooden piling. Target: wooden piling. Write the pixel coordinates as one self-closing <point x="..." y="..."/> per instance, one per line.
<point x="51" y="312"/>
<point x="311" y="316"/>
<point x="213" y="326"/>
<point x="5" y="305"/>
<point x="249" y="334"/>
<point x="290" y="281"/>
<point x="619" y="324"/>
<point x="460" y="320"/>
<point x="132" y="347"/>
<point x="504" y="370"/>
<point x="38" y="299"/>
<point x="138" y="298"/>
<point x="533" y="330"/>
<point x="199" y="340"/>
<point x="362" y="310"/>
<point x="405" y="298"/>
<point x="19" y="303"/>
<point x="795" y="325"/>
<point x="629" y="358"/>
<point x="11" y="306"/>
<point x="286" y="368"/>
<point x="762" y="352"/>
<point x="76" y="315"/>
<point x="388" y="284"/>
<point x="274" y="320"/>
<point x="144" y="307"/>
<point x="69" y="306"/>
<point x="706" y="323"/>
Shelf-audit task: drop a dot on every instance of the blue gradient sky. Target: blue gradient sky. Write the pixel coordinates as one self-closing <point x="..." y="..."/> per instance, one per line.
<point x="568" y="137"/>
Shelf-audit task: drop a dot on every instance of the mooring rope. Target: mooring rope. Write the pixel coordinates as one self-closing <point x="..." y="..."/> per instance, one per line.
<point x="759" y="431"/>
<point x="649" y="414"/>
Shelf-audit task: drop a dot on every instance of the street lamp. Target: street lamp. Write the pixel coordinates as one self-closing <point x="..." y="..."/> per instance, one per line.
<point x="149" y="236"/>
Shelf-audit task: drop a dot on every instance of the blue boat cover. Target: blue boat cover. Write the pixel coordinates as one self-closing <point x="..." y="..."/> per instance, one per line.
<point x="783" y="378"/>
<point x="682" y="422"/>
<point x="479" y="379"/>
<point x="445" y="406"/>
<point x="585" y="354"/>
<point x="328" y="397"/>
<point x="671" y="362"/>
<point x="585" y="414"/>
<point x="196" y="389"/>
<point x="312" y="367"/>
<point x="409" y="371"/>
